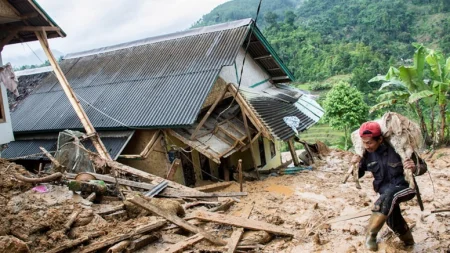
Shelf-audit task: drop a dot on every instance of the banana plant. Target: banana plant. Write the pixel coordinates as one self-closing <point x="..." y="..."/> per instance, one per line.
<point x="406" y="85"/>
<point x="440" y="83"/>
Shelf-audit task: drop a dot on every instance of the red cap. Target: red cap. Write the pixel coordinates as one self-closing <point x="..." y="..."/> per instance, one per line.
<point x="370" y="129"/>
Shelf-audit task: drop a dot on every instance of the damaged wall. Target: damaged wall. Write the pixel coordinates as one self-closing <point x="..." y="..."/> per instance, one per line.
<point x="156" y="163"/>
<point x="253" y="75"/>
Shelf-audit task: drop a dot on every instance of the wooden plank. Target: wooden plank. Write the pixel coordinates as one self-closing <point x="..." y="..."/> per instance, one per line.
<point x="242" y="222"/>
<point x="175" y="219"/>
<point x="238" y="232"/>
<point x="253" y="140"/>
<point x="141" y="242"/>
<point x="52" y="159"/>
<point x="118" y="238"/>
<point x="240" y="175"/>
<point x="208" y="113"/>
<point x="213" y="187"/>
<point x="110" y="209"/>
<point x="121" y="181"/>
<point x="178" y="247"/>
<point x="195" y="145"/>
<point x="252" y="151"/>
<point x="96" y="141"/>
<point x="172" y="193"/>
<point x="173" y="169"/>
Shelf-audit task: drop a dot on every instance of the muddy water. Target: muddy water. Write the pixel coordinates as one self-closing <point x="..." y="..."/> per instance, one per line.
<point x="287" y="191"/>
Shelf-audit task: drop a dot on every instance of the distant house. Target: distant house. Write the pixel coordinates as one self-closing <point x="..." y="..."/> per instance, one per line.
<point x="174" y="96"/>
<point x="18" y="22"/>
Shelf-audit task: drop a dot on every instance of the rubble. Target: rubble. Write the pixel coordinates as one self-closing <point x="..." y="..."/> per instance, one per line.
<point x="309" y="211"/>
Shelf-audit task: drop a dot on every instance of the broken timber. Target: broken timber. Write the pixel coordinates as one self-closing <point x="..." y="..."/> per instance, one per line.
<point x="177" y="247"/>
<point x="214" y="187"/>
<point x="175" y="219"/>
<point x="242" y="222"/>
<point x="350" y="216"/>
<point x="182" y="194"/>
<point x="238" y="232"/>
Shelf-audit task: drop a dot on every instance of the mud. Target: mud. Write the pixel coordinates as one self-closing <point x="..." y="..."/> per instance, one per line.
<point x="306" y="201"/>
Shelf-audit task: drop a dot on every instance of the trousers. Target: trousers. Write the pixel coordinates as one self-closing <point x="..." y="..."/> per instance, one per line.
<point x="389" y="204"/>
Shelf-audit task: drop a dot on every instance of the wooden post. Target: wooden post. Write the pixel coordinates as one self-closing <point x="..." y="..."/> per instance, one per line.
<point x="98" y="144"/>
<point x="240" y="174"/>
<point x="293" y="153"/>
<point x="247" y="130"/>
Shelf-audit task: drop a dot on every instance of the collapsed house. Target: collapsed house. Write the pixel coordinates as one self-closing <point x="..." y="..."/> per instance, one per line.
<point x="175" y="105"/>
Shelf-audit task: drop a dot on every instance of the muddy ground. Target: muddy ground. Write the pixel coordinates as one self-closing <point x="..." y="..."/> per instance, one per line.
<point x="303" y="203"/>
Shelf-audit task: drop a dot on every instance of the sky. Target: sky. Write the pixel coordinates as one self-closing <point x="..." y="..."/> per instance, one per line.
<point x="93" y="24"/>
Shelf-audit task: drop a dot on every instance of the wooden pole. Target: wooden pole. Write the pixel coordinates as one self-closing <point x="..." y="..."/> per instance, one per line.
<point x="293" y="153"/>
<point x="98" y="144"/>
<point x="247" y="130"/>
<point x="240" y="174"/>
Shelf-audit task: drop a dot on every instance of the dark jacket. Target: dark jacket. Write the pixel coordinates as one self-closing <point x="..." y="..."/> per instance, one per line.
<point x="387" y="167"/>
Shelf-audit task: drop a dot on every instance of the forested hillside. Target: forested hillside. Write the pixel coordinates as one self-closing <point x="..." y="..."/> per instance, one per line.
<point x="324" y="40"/>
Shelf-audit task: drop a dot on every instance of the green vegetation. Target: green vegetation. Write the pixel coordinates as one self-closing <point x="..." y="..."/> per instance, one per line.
<point x="345" y="109"/>
<point x="325" y="41"/>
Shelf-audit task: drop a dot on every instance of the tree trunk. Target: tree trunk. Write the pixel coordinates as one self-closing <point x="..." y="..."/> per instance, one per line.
<point x="433" y="133"/>
<point x="442" y="128"/>
<point x="423" y="126"/>
<point x="345" y="138"/>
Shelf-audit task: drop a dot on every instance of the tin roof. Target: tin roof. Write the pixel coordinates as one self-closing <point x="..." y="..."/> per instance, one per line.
<point x="160" y="82"/>
<point x="275" y="103"/>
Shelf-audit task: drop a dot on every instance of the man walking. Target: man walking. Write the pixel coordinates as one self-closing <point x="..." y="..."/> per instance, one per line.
<point x="389" y="181"/>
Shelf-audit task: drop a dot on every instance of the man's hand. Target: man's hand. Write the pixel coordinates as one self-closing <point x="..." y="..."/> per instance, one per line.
<point x="409" y="164"/>
<point x="355" y="159"/>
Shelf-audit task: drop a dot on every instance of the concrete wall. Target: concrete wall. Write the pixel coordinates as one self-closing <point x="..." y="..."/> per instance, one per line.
<point x="252" y="75"/>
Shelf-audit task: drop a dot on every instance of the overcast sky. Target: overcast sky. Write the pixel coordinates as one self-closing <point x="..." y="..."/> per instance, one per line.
<point x="92" y="24"/>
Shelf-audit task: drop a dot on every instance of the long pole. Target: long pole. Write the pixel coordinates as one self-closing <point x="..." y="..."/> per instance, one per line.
<point x="90" y="131"/>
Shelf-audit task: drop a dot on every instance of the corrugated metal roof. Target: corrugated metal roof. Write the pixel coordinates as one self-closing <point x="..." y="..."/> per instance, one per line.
<point x="114" y="143"/>
<point x="275" y="103"/>
<point x="161" y="84"/>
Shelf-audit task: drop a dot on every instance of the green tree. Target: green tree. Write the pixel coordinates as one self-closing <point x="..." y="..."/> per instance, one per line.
<point x="345" y="109"/>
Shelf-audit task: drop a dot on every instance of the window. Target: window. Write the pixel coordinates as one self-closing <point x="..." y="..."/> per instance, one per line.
<point x="2" y="109"/>
<point x="273" y="150"/>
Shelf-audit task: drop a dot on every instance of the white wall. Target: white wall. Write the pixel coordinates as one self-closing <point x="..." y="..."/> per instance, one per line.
<point x="6" y="133"/>
<point x="252" y="74"/>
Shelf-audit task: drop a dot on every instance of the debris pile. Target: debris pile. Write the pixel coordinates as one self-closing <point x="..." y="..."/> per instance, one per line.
<point x="64" y="212"/>
<point x="306" y="212"/>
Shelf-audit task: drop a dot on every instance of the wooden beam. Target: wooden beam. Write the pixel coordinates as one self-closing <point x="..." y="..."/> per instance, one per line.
<point x="30" y="28"/>
<point x="7" y="39"/>
<point x="240" y="175"/>
<point x="253" y="140"/>
<point x="293" y="153"/>
<point x="121" y="181"/>
<point x="242" y="222"/>
<point x="214" y="187"/>
<point x="100" y="162"/>
<point x="237" y="233"/>
<point x="195" y="146"/>
<point x="252" y="151"/>
<point x="245" y="107"/>
<point x="208" y="113"/>
<point x="52" y="159"/>
<point x="363" y="213"/>
<point x="96" y="141"/>
<point x="175" y="219"/>
<point x="172" y="193"/>
<point x="178" y="247"/>
<point x="173" y="168"/>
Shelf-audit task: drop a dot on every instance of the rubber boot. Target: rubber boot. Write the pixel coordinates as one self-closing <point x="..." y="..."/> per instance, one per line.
<point x="407" y="238"/>
<point x="376" y="222"/>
